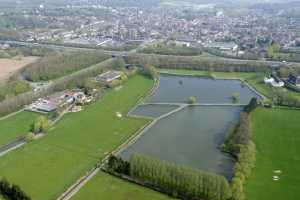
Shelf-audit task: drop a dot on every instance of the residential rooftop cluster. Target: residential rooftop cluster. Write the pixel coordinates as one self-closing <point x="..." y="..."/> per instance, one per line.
<point x="97" y="23"/>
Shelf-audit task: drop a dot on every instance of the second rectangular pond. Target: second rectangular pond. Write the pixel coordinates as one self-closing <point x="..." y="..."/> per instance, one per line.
<point x="190" y="137"/>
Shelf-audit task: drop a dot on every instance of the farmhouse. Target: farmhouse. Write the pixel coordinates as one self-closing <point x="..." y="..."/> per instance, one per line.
<point x="4" y="46"/>
<point x="294" y="79"/>
<point x="274" y="81"/>
<point x="108" y="77"/>
<point x="56" y="101"/>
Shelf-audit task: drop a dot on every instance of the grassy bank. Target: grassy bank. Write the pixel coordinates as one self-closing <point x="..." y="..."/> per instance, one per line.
<point x="104" y="186"/>
<point x="241" y="75"/>
<point x="275" y="133"/>
<point x="56" y="161"/>
<point x="15" y="126"/>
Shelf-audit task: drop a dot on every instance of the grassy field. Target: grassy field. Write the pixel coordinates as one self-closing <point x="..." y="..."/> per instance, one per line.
<point x="47" y="167"/>
<point x="104" y="186"/>
<point x="277" y="138"/>
<point x="15" y="126"/>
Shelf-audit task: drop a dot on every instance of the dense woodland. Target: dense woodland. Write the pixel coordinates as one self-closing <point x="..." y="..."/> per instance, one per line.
<point x="60" y="64"/>
<point x="173" y="50"/>
<point x="198" y="63"/>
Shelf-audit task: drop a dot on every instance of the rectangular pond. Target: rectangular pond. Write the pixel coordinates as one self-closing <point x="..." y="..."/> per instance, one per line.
<point x="193" y="135"/>
<point x="190" y="137"/>
<point x="174" y="88"/>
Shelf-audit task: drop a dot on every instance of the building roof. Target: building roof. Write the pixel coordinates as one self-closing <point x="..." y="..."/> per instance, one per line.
<point x="109" y="76"/>
<point x="46" y="107"/>
<point x="221" y="45"/>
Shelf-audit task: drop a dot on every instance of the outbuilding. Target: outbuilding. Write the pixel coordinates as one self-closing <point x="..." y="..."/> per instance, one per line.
<point x="108" y="77"/>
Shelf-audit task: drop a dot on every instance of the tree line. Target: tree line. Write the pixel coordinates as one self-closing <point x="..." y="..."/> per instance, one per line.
<point x="11" y="191"/>
<point x="62" y="63"/>
<point x="174" y="180"/>
<point x="239" y="143"/>
<point x="174" y="50"/>
<point x="198" y="63"/>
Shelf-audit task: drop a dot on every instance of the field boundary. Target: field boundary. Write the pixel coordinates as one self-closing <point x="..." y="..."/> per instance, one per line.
<point x="11" y="114"/>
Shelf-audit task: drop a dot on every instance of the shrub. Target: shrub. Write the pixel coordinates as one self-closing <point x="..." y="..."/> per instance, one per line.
<point x="12" y="192"/>
<point x="118" y="165"/>
<point x="192" y="100"/>
<point x="13" y="88"/>
<point x="236" y="97"/>
<point x="150" y="71"/>
<point x="252" y="105"/>
<point x="41" y="125"/>
<point x="29" y="137"/>
<point x="114" y="83"/>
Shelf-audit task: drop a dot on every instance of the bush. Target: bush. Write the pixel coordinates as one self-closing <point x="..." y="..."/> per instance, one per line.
<point x="192" y="100"/>
<point x="236" y="97"/>
<point x="12" y="192"/>
<point x="150" y="71"/>
<point x="118" y="165"/>
<point x="41" y="125"/>
<point x="29" y="137"/>
<point x="179" y="181"/>
<point x="13" y="88"/>
<point x="114" y="83"/>
<point x="253" y="104"/>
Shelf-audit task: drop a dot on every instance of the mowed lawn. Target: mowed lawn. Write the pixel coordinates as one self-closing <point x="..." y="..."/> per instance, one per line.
<point x="46" y="167"/>
<point x="104" y="186"/>
<point x="277" y="139"/>
<point x="15" y="126"/>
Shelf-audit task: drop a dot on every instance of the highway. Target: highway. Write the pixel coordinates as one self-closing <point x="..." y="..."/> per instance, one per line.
<point x="134" y="51"/>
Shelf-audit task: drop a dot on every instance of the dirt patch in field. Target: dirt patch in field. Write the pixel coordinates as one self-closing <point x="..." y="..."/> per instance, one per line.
<point x="11" y="65"/>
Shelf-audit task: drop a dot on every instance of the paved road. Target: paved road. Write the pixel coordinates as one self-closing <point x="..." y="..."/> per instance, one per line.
<point x="134" y="51"/>
<point x="55" y="46"/>
<point x="196" y="104"/>
<point x="12" y="146"/>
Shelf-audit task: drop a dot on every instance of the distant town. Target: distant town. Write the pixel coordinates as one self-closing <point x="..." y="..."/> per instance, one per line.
<point x="245" y="30"/>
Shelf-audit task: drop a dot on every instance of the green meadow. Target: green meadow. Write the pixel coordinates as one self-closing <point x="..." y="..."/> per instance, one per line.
<point x="277" y="139"/>
<point x="15" y="126"/>
<point x="104" y="186"/>
<point x="45" y="168"/>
